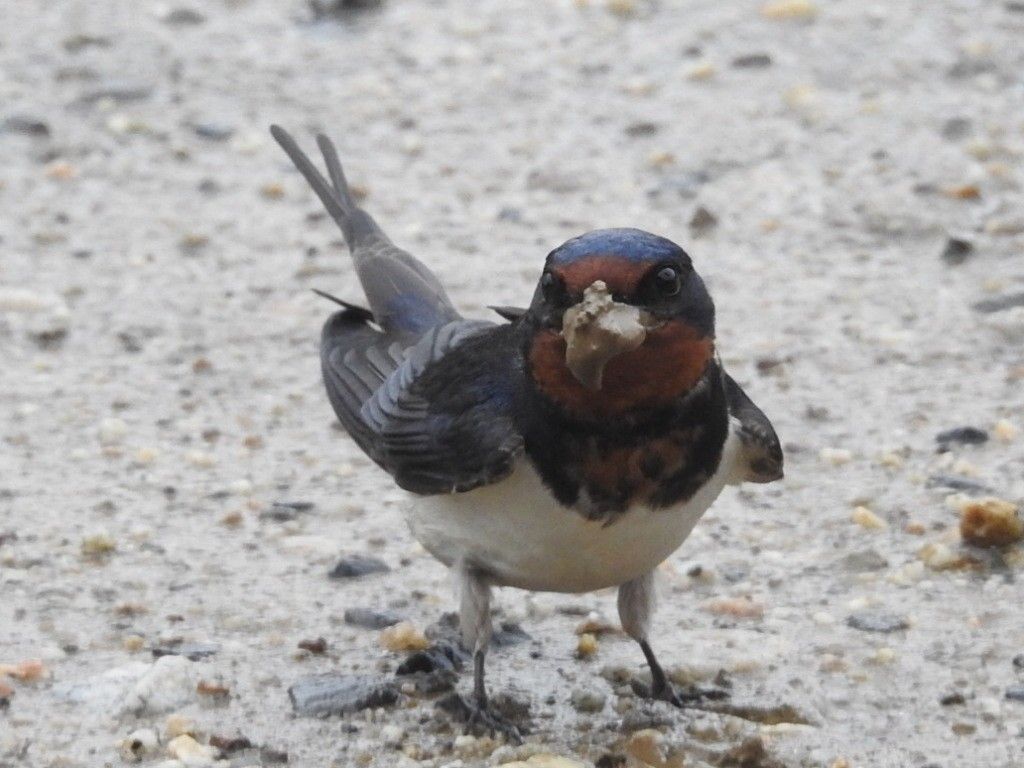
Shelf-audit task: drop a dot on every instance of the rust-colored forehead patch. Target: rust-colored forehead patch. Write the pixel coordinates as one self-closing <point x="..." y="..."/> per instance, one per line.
<point x="620" y="275"/>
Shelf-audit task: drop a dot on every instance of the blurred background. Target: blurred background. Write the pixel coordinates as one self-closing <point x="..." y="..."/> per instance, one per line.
<point x="847" y="177"/>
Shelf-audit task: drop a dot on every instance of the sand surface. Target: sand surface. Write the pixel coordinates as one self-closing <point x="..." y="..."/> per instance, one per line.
<point x="160" y="385"/>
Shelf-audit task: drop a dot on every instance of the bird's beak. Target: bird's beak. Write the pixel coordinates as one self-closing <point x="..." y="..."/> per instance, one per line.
<point x="598" y="329"/>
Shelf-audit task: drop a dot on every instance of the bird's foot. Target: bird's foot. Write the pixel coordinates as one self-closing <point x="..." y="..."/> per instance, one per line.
<point x="481" y="719"/>
<point x="693" y="696"/>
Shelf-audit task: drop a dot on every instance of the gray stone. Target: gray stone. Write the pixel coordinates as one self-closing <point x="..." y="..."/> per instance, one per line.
<point x="865" y="560"/>
<point x="587" y="701"/>
<point x="877" y="621"/>
<point x="354" y="566"/>
<point x="752" y="61"/>
<point x="184" y="17"/>
<point x="1000" y="303"/>
<point x="340" y="694"/>
<point x="702" y="221"/>
<point x="962" y="436"/>
<point x="213" y="131"/>
<point x="28" y="125"/>
<point x="367" y="618"/>
<point x="957" y="483"/>
<point x="957" y="251"/>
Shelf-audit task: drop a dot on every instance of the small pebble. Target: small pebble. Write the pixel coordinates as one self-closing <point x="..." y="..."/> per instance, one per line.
<point x="544" y="760"/>
<point x="990" y="522"/>
<point x="168" y="684"/>
<point x="404" y="636"/>
<point x="595" y="624"/>
<point x="336" y="694"/>
<point x="61" y="171"/>
<point x="962" y="436"/>
<point x="865" y="518"/>
<point x="872" y="621"/>
<point x="891" y="459"/>
<point x="956" y="251"/>
<point x="112" y="431"/>
<point x="25" y="671"/>
<point x="178" y="724"/>
<point x="752" y="61"/>
<point x="367" y="618"/>
<point x="139" y="745"/>
<point x="214" y="690"/>
<point x="835" y="456"/>
<point x="624" y="8"/>
<point x="1015" y="693"/>
<point x="864" y="561"/>
<point x="737" y="607"/>
<point x="26" y="125"/>
<point x="702" y="221"/>
<point x="1000" y="303"/>
<point x="587" y="701"/>
<point x="318" y="646"/>
<point x="703" y="70"/>
<point x="1005" y="431"/>
<point x="647" y="746"/>
<point x="586" y="646"/>
<point x="883" y="656"/>
<point x="956" y="483"/>
<point x="354" y="566"/>
<point x="200" y="459"/>
<point x="272" y="191"/>
<point x="940" y="557"/>
<point x="191" y="752"/>
<point x="183" y="17"/>
<point x="98" y="546"/>
<point x="784" y="10"/>
<point x="213" y="131"/>
<point x="962" y="191"/>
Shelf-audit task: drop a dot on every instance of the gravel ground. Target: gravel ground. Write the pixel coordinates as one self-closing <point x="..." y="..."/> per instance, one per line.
<point x="848" y="179"/>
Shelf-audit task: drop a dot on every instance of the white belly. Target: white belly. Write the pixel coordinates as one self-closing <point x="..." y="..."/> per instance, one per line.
<point x="518" y="534"/>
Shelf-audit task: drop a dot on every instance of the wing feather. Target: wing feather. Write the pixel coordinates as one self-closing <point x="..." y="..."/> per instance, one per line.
<point x="425" y="443"/>
<point x="762" y="453"/>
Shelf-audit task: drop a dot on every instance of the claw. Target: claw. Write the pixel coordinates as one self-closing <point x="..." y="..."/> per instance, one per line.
<point x="691" y="697"/>
<point x="481" y="720"/>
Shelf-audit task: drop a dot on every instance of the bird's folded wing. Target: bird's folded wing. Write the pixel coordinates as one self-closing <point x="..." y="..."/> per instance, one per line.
<point x="430" y="441"/>
<point x="761" y="453"/>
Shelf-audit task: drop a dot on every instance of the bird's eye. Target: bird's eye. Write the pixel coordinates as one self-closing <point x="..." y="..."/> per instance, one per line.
<point x="668" y="281"/>
<point x="551" y="286"/>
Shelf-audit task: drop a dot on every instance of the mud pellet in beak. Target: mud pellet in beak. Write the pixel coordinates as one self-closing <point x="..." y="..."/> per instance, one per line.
<point x="598" y="329"/>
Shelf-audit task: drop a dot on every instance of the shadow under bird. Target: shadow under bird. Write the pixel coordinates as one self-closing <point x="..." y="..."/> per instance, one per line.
<point x="570" y="448"/>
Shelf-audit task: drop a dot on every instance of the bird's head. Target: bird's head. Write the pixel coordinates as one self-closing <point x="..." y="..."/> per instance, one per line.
<point x="621" y="323"/>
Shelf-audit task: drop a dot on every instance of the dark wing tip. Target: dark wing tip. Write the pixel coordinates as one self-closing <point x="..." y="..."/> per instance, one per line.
<point x="354" y="310"/>
<point x="761" y="447"/>
<point x="509" y="313"/>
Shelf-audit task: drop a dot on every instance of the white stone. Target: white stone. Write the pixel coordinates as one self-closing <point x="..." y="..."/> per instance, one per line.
<point x="166" y="685"/>
<point x="190" y="752"/>
<point x="102" y="691"/>
<point x="112" y="431"/>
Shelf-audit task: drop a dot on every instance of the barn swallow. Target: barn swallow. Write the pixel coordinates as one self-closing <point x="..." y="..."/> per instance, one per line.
<point x="569" y="448"/>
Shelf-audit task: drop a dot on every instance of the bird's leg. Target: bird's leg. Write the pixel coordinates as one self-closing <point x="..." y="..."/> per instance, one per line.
<point x="636" y="607"/>
<point x="475" y="623"/>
